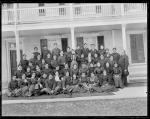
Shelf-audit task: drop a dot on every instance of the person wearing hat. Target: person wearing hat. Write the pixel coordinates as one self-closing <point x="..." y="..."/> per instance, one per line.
<point x="124" y="63"/>
<point x="62" y="60"/>
<point x="36" y="53"/>
<point x="56" y="50"/>
<point x="45" y="51"/>
<point x="115" y="55"/>
<point x="117" y="72"/>
<point x="24" y="63"/>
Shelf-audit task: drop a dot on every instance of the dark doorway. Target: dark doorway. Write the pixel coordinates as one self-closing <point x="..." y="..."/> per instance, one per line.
<point x="13" y="61"/>
<point x="100" y="41"/>
<point x="64" y="43"/>
<point x="137" y="48"/>
<point x="80" y="41"/>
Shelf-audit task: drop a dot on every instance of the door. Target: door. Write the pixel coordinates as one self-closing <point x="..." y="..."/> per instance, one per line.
<point x="100" y="41"/>
<point x="13" y="61"/>
<point x="80" y="41"/>
<point x="43" y="43"/>
<point x="137" y="48"/>
<point x="64" y="43"/>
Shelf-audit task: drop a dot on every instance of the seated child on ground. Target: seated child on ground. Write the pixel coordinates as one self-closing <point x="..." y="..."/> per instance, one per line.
<point x="13" y="88"/>
<point x="58" y="81"/>
<point x="32" y="83"/>
<point x="49" y="85"/>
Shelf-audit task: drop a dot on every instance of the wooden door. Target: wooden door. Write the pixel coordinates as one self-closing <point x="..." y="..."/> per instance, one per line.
<point x="13" y="60"/>
<point x="137" y="48"/>
<point x="80" y="41"/>
<point x="100" y="41"/>
<point x="64" y="43"/>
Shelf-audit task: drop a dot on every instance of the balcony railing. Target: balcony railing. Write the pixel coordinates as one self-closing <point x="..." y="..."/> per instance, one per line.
<point x="41" y="14"/>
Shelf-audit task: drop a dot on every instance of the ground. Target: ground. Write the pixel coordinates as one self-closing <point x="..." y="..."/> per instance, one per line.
<point x="107" y="107"/>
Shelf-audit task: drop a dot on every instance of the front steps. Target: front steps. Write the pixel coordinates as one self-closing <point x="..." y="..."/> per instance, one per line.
<point x="138" y="73"/>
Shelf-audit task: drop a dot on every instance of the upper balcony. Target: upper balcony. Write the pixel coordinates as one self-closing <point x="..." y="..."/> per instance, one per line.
<point x="73" y="12"/>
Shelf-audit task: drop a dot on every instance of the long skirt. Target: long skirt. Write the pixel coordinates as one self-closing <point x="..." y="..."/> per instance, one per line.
<point x="118" y="81"/>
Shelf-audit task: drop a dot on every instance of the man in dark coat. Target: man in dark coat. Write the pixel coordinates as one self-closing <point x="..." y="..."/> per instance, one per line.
<point x="45" y="52"/>
<point x="56" y="50"/>
<point x="115" y="55"/>
<point x="124" y="63"/>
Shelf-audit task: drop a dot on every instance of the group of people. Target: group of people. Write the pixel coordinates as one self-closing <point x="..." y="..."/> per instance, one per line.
<point x="81" y="70"/>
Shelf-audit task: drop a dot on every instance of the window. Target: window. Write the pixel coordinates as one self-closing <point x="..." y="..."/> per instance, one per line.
<point x="42" y="11"/>
<point x="98" y="8"/>
<point x="77" y="10"/>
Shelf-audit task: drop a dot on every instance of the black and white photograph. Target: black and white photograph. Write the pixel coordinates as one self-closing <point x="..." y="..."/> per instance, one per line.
<point x="74" y="59"/>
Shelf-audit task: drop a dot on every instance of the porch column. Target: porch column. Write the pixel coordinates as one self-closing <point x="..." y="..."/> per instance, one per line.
<point x="72" y="38"/>
<point x="124" y="36"/>
<point x="122" y="9"/>
<point x="113" y="37"/>
<point x="16" y="34"/>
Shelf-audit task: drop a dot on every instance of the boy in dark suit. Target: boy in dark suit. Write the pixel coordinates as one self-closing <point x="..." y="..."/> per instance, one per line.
<point x="115" y="55"/>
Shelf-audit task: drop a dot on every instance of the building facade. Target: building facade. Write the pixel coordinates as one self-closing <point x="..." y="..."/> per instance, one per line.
<point x="120" y="25"/>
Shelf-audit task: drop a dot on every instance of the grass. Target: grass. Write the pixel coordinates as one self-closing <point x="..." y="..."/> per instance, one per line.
<point x="107" y="107"/>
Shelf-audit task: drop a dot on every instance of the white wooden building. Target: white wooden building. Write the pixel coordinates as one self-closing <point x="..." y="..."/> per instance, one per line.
<point x="120" y="25"/>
